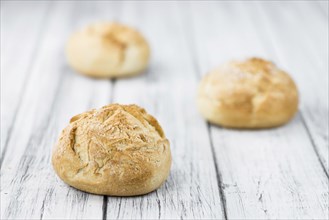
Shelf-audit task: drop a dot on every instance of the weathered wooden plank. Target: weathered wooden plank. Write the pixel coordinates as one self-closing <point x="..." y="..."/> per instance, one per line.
<point x="266" y="174"/>
<point x="167" y="90"/>
<point x="270" y="173"/>
<point x="309" y="69"/>
<point x="54" y="93"/>
<point x="272" y="176"/>
<point x="65" y="202"/>
<point x="99" y="93"/>
<point x="16" y="57"/>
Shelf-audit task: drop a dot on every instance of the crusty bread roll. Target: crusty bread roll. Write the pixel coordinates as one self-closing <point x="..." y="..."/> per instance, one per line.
<point x="250" y="94"/>
<point x="118" y="150"/>
<point x="108" y="50"/>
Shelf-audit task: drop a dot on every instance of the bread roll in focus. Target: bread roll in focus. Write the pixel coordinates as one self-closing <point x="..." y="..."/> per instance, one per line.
<point x="118" y="150"/>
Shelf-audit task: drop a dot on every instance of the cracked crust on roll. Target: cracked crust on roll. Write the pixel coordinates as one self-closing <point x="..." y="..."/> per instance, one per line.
<point x="108" y="50"/>
<point x="253" y="93"/>
<point x="117" y="150"/>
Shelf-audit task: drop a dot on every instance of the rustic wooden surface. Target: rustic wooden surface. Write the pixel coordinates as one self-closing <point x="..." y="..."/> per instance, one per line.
<point x="217" y="173"/>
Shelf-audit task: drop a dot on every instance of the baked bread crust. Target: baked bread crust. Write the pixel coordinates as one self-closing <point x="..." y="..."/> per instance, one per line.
<point x="118" y="150"/>
<point x="108" y="50"/>
<point x="250" y="94"/>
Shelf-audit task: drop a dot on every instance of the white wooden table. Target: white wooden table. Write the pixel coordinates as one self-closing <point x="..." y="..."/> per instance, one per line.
<point x="217" y="173"/>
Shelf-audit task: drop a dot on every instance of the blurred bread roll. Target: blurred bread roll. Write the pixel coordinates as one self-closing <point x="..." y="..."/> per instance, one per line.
<point x="108" y="50"/>
<point x="253" y="93"/>
<point x="118" y="150"/>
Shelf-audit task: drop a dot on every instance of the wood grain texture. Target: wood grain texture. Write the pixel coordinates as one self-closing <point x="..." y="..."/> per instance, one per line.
<point x="217" y="173"/>
<point x="306" y="69"/>
<point x="54" y="93"/>
<point x="271" y="173"/>
<point x="13" y="32"/>
<point x="191" y="192"/>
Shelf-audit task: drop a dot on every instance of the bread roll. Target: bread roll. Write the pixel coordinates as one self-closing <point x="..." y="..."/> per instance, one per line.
<point x="108" y="50"/>
<point x="118" y="150"/>
<point x="253" y="93"/>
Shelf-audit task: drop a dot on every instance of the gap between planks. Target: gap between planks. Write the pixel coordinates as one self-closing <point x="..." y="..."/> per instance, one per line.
<point x="35" y="51"/>
<point x="276" y="54"/>
<point x="105" y="198"/>
<point x="313" y="144"/>
<point x="189" y="30"/>
<point x="218" y="174"/>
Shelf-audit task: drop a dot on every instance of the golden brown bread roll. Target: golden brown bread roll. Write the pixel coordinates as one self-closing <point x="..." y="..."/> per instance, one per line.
<point x="253" y="93"/>
<point x="117" y="150"/>
<point x="108" y="50"/>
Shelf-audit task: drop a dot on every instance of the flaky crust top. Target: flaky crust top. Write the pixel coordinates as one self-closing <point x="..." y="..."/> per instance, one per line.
<point x="117" y="145"/>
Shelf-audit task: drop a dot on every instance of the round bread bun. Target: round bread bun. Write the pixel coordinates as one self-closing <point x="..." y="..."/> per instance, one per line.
<point x="253" y="93"/>
<point x="108" y="50"/>
<point x="118" y="150"/>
